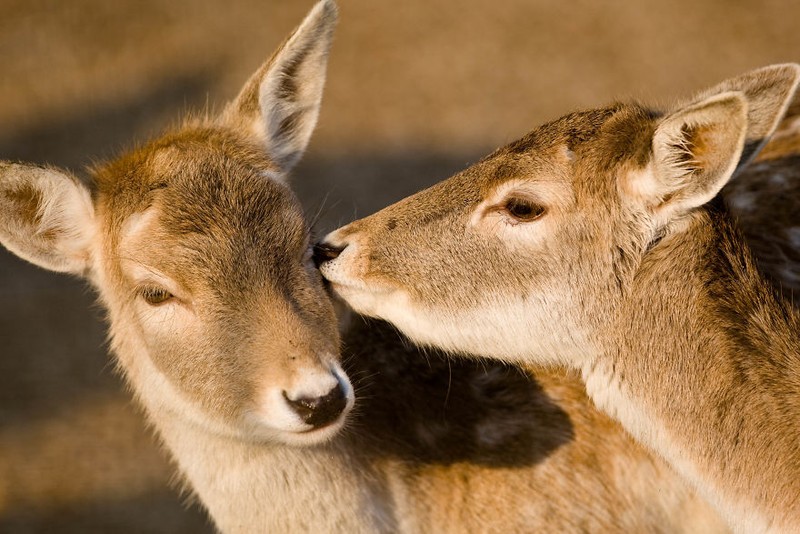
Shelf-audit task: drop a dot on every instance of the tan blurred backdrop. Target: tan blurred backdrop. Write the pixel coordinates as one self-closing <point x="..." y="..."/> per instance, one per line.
<point x="417" y="89"/>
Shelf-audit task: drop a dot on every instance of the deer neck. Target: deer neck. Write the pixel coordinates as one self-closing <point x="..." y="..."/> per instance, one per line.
<point x="703" y="365"/>
<point x="251" y="486"/>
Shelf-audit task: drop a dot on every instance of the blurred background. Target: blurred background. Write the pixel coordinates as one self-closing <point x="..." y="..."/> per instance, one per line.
<point x="417" y="90"/>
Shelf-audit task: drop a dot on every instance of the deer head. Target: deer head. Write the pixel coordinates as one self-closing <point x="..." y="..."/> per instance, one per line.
<point x="539" y="240"/>
<point x="200" y="253"/>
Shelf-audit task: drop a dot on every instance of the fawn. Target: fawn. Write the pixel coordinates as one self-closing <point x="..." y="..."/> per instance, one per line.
<point x="598" y="242"/>
<point x="221" y="324"/>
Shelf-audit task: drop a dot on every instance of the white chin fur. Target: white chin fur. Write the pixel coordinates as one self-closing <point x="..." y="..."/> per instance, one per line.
<point x="313" y="437"/>
<point x="500" y="329"/>
<point x="361" y="299"/>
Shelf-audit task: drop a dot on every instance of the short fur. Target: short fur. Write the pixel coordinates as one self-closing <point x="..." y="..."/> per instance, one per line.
<point x="631" y="273"/>
<point x="204" y="213"/>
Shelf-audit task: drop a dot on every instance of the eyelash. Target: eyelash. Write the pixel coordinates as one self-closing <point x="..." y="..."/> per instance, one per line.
<point x="155" y="295"/>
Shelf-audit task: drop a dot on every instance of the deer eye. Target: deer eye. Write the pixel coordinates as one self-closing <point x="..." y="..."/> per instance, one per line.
<point x="522" y="209"/>
<point x="155" y="295"/>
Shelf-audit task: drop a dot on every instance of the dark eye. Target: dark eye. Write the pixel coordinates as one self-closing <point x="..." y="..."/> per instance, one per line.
<point x="523" y="209"/>
<point x="154" y="295"/>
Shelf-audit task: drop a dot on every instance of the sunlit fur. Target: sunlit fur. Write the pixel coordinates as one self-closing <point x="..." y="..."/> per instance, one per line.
<point x="636" y="275"/>
<point x="204" y="214"/>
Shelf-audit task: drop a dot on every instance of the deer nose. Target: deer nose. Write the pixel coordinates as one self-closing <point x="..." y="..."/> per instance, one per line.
<point x="325" y="252"/>
<point x="319" y="411"/>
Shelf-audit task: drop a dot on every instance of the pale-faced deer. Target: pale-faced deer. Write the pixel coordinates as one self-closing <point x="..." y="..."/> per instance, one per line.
<point x="598" y="242"/>
<point x="220" y="323"/>
<point x="217" y="316"/>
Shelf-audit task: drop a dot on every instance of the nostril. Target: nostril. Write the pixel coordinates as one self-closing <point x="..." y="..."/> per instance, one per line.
<point x="324" y="252"/>
<point x="304" y="407"/>
<point x="319" y="411"/>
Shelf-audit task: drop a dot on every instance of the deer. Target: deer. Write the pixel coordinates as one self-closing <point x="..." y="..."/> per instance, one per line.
<point x="600" y="243"/>
<point x="222" y="327"/>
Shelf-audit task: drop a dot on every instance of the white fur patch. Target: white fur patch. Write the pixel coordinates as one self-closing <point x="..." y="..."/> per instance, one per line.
<point x="136" y="224"/>
<point x="315" y="383"/>
<point x="502" y="328"/>
<point x="643" y="185"/>
<point x="68" y="209"/>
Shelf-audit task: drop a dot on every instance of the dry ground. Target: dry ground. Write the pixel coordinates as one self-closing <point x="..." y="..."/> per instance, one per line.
<point x="417" y="89"/>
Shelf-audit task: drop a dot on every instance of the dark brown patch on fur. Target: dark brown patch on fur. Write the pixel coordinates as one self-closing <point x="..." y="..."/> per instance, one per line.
<point x="287" y="88"/>
<point x="582" y="127"/>
<point x="572" y="130"/>
<point x="289" y="124"/>
<point x="627" y="136"/>
<point x="522" y="145"/>
<point x="504" y="171"/>
<point x="763" y="198"/>
<point x="28" y="200"/>
<point x="451" y="410"/>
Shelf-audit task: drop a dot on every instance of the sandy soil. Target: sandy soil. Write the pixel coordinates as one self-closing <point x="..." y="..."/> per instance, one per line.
<point x="417" y="90"/>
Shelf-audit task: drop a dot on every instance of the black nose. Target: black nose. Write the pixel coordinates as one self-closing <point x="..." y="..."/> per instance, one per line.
<point x="324" y="252"/>
<point x="319" y="411"/>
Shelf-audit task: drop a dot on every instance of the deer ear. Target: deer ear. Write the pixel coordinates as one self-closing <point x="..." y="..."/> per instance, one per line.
<point x="695" y="152"/>
<point x="280" y="103"/>
<point x="46" y="217"/>
<point x="768" y="92"/>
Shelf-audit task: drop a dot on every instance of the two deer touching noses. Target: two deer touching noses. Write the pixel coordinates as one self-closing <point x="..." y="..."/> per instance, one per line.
<point x="599" y="242"/>
<point x="594" y="253"/>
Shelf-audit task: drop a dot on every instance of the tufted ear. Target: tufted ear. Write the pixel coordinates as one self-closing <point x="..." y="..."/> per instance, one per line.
<point x="280" y="103"/>
<point x="697" y="148"/>
<point x="768" y="91"/>
<point x="695" y="151"/>
<point x="46" y="217"/>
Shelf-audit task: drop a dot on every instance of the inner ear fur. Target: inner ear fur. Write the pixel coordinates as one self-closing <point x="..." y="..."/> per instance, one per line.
<point x="46" y="217"/>
<point x="695" y="152"/>
<point x="769" y="91"/>
<point x="280" y="103"/>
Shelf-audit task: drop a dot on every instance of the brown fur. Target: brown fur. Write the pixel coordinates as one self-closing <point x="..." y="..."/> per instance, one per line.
<point x="433" y="446"/>
<point x="474" y="445"/>
<point x="627" y="277"/>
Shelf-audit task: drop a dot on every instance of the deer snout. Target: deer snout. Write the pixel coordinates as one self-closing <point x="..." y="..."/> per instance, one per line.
<point x="325" y="252"/>
<point x="345" y="260"/>
<point x="320" y="411"/>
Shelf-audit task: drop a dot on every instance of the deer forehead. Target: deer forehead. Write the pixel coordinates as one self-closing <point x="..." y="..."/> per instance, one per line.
<point x="200" y="211"/>
<point x="581" y="155"/>
<point x="202" y="160"/>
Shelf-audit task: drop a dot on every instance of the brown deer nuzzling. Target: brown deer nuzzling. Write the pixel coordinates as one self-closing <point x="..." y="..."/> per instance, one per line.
<point x="600" y="242"/>
<point x="221" y="324"/>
